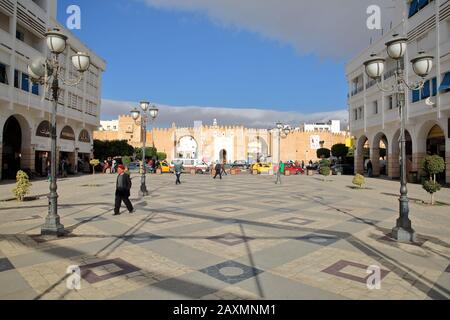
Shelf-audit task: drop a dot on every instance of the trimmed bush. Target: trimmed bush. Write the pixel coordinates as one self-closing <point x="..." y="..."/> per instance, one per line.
<point x="432" y="165"/>
<point x="339" y="150"/>
<point x="23" y="186"/>
<point x="94" y="163"/>
<point x="126" y="161"/>
<point x="323" y="153"/>
<point x="325" y="168"/>
<point x="359" y="180"/>
<point x="161" y="156"/>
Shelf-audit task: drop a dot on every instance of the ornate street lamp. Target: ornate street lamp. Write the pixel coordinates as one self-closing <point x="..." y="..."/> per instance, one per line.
<point x="148" y="113"/>
<point x="45" y="72"/>
<point x="283" y="131"/>
<point x="422" y="66"/>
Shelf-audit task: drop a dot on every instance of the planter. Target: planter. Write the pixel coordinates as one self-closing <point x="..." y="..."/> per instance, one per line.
<point x="287" y="173"/>
<point x="255" y="172"/>
<point x="158" y="171"/>
<point x="193" y="172"/>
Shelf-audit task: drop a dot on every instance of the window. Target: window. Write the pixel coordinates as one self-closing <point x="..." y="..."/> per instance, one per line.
<point x="25" y="82"/>
<point x="417" y="5"/>
<point x="35" y="89"/>
<point x="375" y="107"/>
<point x="415" y="95"/>
<point x="390" y="102"/>
<point x="434" y="86"/>
<point x="16" y="79"/>
<point x="20" y="35"/>
<point x="3" y="74"/>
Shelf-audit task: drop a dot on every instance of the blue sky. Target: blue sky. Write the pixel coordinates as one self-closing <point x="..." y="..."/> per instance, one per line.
<point x="183" y="57"/>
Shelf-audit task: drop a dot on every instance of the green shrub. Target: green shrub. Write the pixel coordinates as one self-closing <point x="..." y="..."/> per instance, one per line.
<point x="339" y="150"/>
<point x="23" y="186"/>
<point x="126" y="161"/>
<point x="325" y="168"/>
<point x="161" y="156"/>
<point x="323" y="153"/>
<point x="432" y="165"/>
<point x="359" y="180"/>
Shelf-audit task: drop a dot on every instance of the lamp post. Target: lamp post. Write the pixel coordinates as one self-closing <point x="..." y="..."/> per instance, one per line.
<point x="422" y="66"/>
<point x="47" y="72"/>
<point x="148" y="113"/>
<point x="282" y="130"/>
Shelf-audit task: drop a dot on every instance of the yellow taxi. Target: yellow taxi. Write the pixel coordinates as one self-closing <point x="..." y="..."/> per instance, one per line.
<point x="165" y="168"/>
<point x="262" y="167"/>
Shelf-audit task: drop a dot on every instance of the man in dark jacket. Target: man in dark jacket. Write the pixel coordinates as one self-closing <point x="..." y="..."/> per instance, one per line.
<point x="178" y="169"/>
<point x="218" y="170"/>
<point x="123" y="186"/>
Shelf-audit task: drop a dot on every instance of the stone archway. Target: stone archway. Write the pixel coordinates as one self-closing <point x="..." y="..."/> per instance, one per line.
<point x="187" y="148"/>
<point x="436" y="146"/>
<point x="257" y="150"/>
<point x="16" y="147"/>
<point x="379" y="155"/>
<point x="362" y="154"/>
<point x="223" y="156"/>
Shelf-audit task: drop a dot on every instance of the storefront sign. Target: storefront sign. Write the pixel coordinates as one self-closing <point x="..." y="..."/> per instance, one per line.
<point x="315" y="142"/>
<point x="84" y="136"/>
<point x="43" y="129"/>
<point x="67" y="134"/>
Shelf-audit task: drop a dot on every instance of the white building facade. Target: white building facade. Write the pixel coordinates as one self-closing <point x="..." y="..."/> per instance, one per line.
<point x="374" y="116"/>
<point x="25" y="109"/>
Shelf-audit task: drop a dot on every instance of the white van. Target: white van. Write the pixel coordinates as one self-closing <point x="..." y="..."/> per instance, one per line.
<point x="199" y="165"/>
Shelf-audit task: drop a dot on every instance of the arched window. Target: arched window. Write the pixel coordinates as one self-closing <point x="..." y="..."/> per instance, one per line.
<point x="43" y="130"/>
<point x="67" y="133"/>
<point x="84" y="136"/>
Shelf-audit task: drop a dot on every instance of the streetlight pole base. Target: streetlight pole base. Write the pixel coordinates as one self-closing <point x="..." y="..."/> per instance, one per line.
<point x="404" y="235"/>
<point x="53" y="227"/>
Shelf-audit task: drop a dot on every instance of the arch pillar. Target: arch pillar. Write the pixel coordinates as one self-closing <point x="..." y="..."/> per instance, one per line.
<point x="375" y="158"/>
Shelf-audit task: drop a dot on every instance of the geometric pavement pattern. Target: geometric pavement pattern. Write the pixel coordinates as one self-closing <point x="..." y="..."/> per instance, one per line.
<point x="242" y="237"/>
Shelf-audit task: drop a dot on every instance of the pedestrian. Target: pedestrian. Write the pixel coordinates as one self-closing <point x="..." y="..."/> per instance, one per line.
<point x="370" y="168"/>
<point x="178" y="169"/>
<point x="279" y="172"/>
<point x="63" y="168"/>
<point x="223" y="169"/>
<point x="114" y="165"/>
<point x="303" y="164"/>
<point x="218" y="170"/>
<point x="123" y="187"/>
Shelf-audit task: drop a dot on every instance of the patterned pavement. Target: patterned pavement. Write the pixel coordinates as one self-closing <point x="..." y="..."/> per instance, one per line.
<point x="240" y="238"/>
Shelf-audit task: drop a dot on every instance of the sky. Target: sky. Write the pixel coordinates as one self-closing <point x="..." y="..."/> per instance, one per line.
<point x="237" y="61"/>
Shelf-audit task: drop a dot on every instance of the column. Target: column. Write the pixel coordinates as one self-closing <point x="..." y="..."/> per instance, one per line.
<point x="28" y="158"/>
<point x="394" y="165"/>
<point x="375" y="158"/>
<point x="447" y="168"/>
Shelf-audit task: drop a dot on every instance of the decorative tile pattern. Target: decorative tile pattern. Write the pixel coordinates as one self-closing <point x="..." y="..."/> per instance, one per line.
<point x="142" y="238"/>
<point x="337" y="270"/>
<point x="180" y="201"/>
<point x="230" y="239"/>
<point x="107" y="269"/>
<point x="298" y="221"/>
<point x="161" y="220"/>
<point x="364" y="221"/>
<point x="231" y="272"/>
<point x="92" y="219"/>
<point x="5" y="265"/>
<point x="228" y="209"/>
<point x="320" y="239"/>
<point x="273" y="202"/>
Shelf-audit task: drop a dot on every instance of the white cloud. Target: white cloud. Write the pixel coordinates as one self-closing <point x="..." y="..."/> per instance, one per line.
<point x="253" y="118"/>
<point x="327" y="28"/>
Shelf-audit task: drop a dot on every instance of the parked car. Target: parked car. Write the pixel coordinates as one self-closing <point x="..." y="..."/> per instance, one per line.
<point x="189" y="164"/>
<point x="165" y="168"/>
<point x="262" y="167"/>
<point x="346" y="169"/>
<point x="293" y="169"/>
<point x="241" y="164"/>
<point x="135" y="167"/>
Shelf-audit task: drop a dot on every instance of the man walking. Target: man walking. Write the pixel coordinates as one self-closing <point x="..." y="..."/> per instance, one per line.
<point x="279" y="172"/>
<point x="218" y="170"/>
<point x="178" y="169"/>
<point x="370" y="168"/>
<point x="123" y="186"/>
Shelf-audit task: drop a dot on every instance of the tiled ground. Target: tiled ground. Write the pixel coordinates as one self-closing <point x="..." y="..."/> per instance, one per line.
<point x="240" y="238"/>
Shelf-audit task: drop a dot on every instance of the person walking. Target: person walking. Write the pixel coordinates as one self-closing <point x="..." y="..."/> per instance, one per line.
<point x="370" y="168"/>
<point x="223" y="169"/>
<point x="178" y="169"/>
<point x="279" y="172"/>
<point x="218" y="170"/>
<point x="123" y="187"/>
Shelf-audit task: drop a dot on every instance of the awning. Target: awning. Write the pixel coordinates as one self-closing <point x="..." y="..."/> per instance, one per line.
<point x="445" y="85"/>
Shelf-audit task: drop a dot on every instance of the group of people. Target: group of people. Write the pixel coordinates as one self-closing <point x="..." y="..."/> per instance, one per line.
<point x="111" y="165"/>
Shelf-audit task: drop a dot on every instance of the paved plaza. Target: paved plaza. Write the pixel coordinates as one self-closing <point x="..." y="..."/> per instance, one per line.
<point x="239" y="238"/>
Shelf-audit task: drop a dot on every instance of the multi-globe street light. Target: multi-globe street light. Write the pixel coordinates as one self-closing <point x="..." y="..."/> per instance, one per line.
<point x="283" y="131"/>
<point x="148" y="113"/>
<point x="47" y="72"/>
<point x="422" y="66"/>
